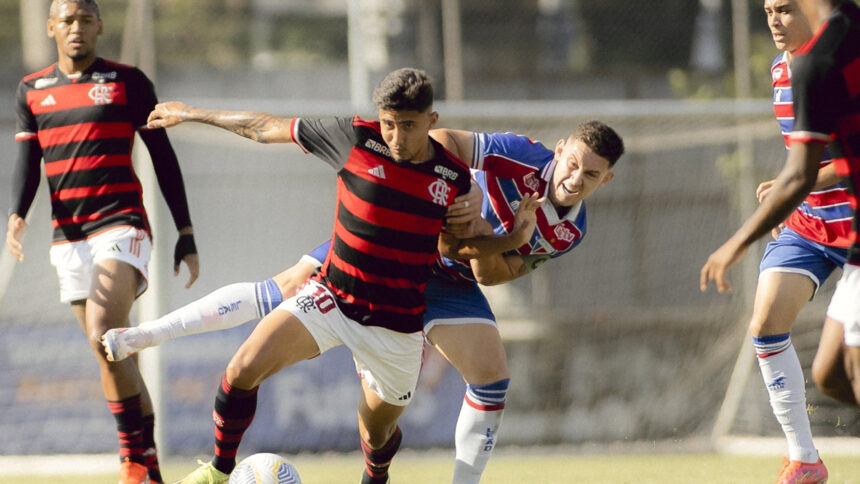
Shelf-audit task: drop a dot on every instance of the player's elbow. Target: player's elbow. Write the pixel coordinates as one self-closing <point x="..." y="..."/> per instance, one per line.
<point x="490" y="279"/>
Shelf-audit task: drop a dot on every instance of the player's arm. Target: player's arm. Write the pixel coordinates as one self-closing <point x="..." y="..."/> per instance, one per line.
<point x="258" y="126"/>
<point x="501" y="268"/>
<point x="170" y="181"/>
<point x="25" y="181"/>
<point x="459" y="142"/>
<point x="827" y="176"/>
<point x="794" y="182"/>
<point x="489" y="244"/>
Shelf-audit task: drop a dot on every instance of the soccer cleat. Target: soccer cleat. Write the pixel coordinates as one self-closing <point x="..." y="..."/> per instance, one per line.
<point x="205" y="474"/>
<point x="132" y="473"/>
<point x="120" y="343"/>
<point x="796" y="472"/>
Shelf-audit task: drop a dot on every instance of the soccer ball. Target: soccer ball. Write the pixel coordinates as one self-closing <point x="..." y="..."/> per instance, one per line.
<point x="265" y="469"/>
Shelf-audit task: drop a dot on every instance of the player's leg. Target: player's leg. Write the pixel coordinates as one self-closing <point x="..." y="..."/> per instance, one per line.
<point x="476" y="351"/>
<point x="224" y="308"/>
<point x="462" y="327"/>
<point x="791" y="270"/>
<point x="836" y="369"/>
<point x="278" y="341"/>
<point x="379" y="433"/>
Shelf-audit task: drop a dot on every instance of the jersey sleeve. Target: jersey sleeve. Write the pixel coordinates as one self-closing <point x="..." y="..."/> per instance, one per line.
<point x="25" y="128"/>
<point x="329" y="139"/>
<point x="507" y="155"/>
<point x="814" y="109"/>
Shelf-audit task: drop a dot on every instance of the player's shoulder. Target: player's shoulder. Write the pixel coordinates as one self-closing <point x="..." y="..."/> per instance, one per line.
<point x="46" y="73"/>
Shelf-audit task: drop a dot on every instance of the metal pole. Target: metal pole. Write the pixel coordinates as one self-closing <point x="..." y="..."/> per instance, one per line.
<point x="452" y="45"/>
<point x="359" y="75"/>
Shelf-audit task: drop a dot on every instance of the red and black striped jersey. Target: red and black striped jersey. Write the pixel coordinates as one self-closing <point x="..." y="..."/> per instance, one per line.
<point x="826" y="84"/>
<point x="85" y="129"/>
<point x="387" y="222"/>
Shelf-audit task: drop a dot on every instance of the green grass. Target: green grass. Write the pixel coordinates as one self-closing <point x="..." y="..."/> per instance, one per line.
<point x="509" y="468"/>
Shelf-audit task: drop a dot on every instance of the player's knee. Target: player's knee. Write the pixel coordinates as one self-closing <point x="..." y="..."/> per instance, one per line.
<point x="241" y="372"/>
<point x="764" y="324"/>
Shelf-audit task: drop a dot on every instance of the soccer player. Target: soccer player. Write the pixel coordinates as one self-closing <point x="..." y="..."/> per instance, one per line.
<point x="394" y="186"/>
<point x="458" y="320"/>
<point x="81" y="115"/>
<point x="826" y="85"/>
<point x="807" y="248"/>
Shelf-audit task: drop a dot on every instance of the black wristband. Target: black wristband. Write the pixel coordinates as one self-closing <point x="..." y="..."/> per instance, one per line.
<point x="184" y="246"/>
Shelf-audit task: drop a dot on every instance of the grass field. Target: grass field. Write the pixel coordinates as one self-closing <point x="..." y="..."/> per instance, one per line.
<point x="532" y="468"/>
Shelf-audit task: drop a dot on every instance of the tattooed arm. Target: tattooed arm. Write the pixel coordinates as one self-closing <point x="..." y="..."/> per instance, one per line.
<point x="260" y="127"/>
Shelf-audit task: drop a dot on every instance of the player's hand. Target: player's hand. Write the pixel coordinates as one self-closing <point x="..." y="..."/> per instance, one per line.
<point x="186" y="251"/>
<point x="466" y="207"/>
<point x="166" y="115"/>
<point x="14" y="232"/>
<point x="774" y="232"/>
<point x="763" y="189"/>
<point x="525" y="219"/>
<point x="717" y="267"/>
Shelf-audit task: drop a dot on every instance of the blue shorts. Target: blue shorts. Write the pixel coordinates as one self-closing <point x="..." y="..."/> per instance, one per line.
<point x="792" y="253"/>
<point x="450" y="302"/>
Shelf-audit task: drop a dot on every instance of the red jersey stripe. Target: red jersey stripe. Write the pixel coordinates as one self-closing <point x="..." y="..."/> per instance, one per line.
<point x="369" y="277"/>
<point x="383" y="217"/>
<point x="94" y="216"/>
<point x="94" y="191"/>
<point x="85" y="163"/>
<point x="368" y="247"/>
<point x="73" y="96"/>
<point x="84" y="131"/>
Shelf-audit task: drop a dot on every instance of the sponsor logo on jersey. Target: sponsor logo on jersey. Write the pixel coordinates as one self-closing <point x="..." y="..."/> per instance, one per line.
<point x="531" y="181"/>
<point x="446" y="172"/>
<point x="377" y="171"/>
<point x="563" y="233"/>
<point x="45" y="82"/>
<point x="102" y="76"/>
<point x="49" y="101"/>
<point x="378" y="147"/>
<point x="439" y="190"/>
<point x="102" y="94"/>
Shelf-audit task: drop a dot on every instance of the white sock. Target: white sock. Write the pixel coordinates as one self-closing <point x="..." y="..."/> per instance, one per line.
<point x="477" y="429"/>
<point x="783" y="377"/>
<point x="223" y="308"/>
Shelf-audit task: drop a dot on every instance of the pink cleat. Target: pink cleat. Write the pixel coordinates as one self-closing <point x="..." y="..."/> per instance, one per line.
<point x="796" y="472"/>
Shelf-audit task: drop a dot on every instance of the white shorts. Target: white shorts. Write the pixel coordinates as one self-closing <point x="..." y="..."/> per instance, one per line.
<point x="845" y="305"/>
<point x="388" y="361"/>
<point x="75" y="261"/>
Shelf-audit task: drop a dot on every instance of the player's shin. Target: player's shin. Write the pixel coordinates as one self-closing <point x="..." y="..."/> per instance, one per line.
<point x="233" y="413"/>
<point x="477" y="429"/>
<point x="783" y="377"/>
<point x="224" y="308"/>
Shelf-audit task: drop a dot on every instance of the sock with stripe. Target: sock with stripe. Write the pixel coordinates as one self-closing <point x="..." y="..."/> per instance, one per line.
<point x="377" y="461"/>
<point x="129" y="428"/>
<point x="234" y="411"/>
<point x="224" y="308"/>
<point x="477" y="429"/>
<point x="783" y="377"/>
<point x="150" y="455"/>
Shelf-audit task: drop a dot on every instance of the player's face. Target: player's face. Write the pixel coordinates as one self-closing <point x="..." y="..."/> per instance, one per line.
<point x="578" y="172"/>
<point x="407" y="133"/>
<point x="75" y="28"/>
<point x="788" y="25"/>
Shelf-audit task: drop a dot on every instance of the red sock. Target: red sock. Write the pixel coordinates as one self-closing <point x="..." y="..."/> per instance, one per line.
<point x="129" y="428"/>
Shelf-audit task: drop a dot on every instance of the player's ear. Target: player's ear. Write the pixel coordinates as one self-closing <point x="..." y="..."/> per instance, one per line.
<point x="101" y="27"/>
<point x="50" y="28"/>
<point x="608" y="176"/>
<point x="559" y="147"/>
<point x="433" y="118"/>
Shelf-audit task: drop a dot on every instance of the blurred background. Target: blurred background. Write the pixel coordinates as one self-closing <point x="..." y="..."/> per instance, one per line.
<point x="611" y="343"/>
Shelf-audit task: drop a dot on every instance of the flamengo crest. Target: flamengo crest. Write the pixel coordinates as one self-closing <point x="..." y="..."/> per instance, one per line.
<point x="439" y="190"/>
<point x="102" y="94"/>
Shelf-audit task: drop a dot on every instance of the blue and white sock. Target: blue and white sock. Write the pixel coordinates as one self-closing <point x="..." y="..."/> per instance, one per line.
<point x="223" y="308"/>
<point x="477" y="429"/>
<point x="783" y="377"/>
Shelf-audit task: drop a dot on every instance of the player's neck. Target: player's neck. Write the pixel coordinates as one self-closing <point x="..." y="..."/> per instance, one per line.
<point x="71" y="67"/>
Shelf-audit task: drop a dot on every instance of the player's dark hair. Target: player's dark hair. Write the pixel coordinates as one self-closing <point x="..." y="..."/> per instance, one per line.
<point x="405" y="89"/>
<point x="55" y="5"/>
<point x="602" y="140"/>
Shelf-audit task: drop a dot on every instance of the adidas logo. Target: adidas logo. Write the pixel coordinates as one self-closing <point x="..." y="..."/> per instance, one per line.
<point x="377" y="171"/>
<point x="115" y="248"/>
<point x="49" y="101"/>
